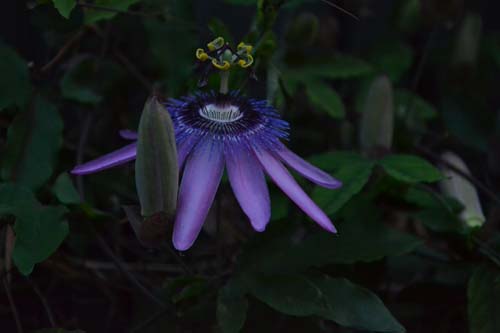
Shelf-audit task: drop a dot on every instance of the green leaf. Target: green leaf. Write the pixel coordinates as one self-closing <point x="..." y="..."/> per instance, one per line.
<point x="361" y="238"/>
<point x="93" y="15"/>
<point x="410" y="169"/>
<point x="87" y="80"/>
<point x="484" y="300"/>
<point x="232" y="307"/>
<point x="340" y="67"/>
<point x="33" y="141"/>
<point x="64" y="6"/>
<point x="156" y="169"/>
<point x="393" y="59"/>
<point x="15" y="87"/>
<point x="242" y="2"/>
<point x="38" y="234"/>
<point x="352" y="169"/>
<point x="65" y="190"/>
<point x="325" y="98"/>
<point x="410" y="104"/>
<point x="39" y="229"/>
<point x="337" y="300"/>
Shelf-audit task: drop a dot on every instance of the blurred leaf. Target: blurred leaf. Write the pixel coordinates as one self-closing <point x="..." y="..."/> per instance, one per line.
<point x="440" y="220"/>
<point x="352" y="169"/>
<point x="392" y="59"/>
<point x="88" y="79"/>
<point x="33" y="141"/>
<point x="408" y="104"/>
<point x="39" y="229"/>
<point x="377" y="119"/>
<point x="232" y="307"/>
<point x="484" y="300"/>
<point x="15" y="84"/>
<point x="361" y="238"/>
<point x="65" y="190"/>
<point x="325" y="98"/>
<point x="410" y="169"/>
<point x="338" y="300"/>
<point x="156" y="169"/>
<point x="173" y="48"/>
<point x="64" y="6"/>
<point x="57" y="330"/>
<point x="219" y="29"/>
<point x="242" y="2"/>
<point x="93" y="15"/>
<point x="303" y="31"/>
<point x="341" y="67"/>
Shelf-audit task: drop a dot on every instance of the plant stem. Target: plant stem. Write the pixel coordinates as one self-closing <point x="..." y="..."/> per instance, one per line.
<point x="224" y="82"/>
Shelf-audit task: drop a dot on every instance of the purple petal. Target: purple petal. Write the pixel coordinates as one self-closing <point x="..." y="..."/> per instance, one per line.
<point x="128" y="134"/>
<point x="201" y="178"/>
<point x="184" y="148"/>
<point x="308" y="170"/>
<point x="280" y="175"/>
<point x="110" y="160"/>
<point x="249" y="186"/>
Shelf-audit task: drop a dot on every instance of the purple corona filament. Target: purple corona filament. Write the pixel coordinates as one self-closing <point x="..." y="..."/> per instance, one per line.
<point x="243" y="135"/>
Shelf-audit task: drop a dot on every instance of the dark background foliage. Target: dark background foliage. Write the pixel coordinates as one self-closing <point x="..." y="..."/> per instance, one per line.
<point x="375" y="101"/>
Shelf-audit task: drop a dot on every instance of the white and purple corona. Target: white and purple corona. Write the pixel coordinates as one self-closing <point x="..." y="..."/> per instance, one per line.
<point x="226" y="130"/>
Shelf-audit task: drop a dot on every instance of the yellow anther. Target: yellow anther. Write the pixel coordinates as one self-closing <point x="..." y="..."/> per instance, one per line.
<point x="215" y="44"/>
<point x="201" y="55"/>
<point x="224" y="66"/>
<point x="246" y="63"/>
<point x="244" y="47"/>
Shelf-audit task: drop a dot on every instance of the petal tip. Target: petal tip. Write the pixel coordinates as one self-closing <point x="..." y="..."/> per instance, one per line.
<point x="182" y="245"/>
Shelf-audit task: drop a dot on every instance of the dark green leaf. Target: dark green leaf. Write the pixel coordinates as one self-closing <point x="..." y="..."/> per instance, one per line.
<point x="87" y="80"/>
<point x="232" y="307"/>
<point x="393" y="59"/>
<point x="242" y="2"/>
<point x="93" y="15"/>
<point x="408" y="104"/>
<point x="484" y="301"/>
<point x="341" y="67"/>
<point x="65" y="190"/>
<point x="361" y="238"/>
<point x="156" y="169"/>
<point x="15" y="84"/>
<point x="325" y="98"/>
<point x="410" y="169"/>
<point x="333" y="299"/>
<point x="64" y="6"/>
<point x="352" y="169"/>
<point x="33" y="141"/>
<point x="39" y="229"/>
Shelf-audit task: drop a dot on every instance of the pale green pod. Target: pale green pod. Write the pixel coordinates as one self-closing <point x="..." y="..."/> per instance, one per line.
<point x="377" y="120"/>
<point x="456" y="186"/>
<point x="156" y="169"/>
<point x="468" y="40"/>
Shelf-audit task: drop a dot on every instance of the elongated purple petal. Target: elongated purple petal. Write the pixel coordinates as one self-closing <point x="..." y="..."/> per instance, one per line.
<point x="128" y="134"/>
<point x="110" y="160"/>
<point x="280" y="175"/>
<point x="201" y="178"/>
<point x="184" y="148"/>
<point x="249" y="186"/>
<point x="308" y="170"/>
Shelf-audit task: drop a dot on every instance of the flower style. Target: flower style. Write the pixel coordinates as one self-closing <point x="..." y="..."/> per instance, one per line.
<point x="215" y="130"/>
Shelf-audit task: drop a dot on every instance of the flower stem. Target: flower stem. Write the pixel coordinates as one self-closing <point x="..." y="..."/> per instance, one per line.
<point x="224" y="82"/>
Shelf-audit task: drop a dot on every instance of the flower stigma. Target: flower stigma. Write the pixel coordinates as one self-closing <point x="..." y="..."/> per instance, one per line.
<point x="223" y="58"/>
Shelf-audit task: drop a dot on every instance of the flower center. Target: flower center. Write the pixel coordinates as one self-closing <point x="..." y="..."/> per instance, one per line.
<point x="222" y="114"/>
